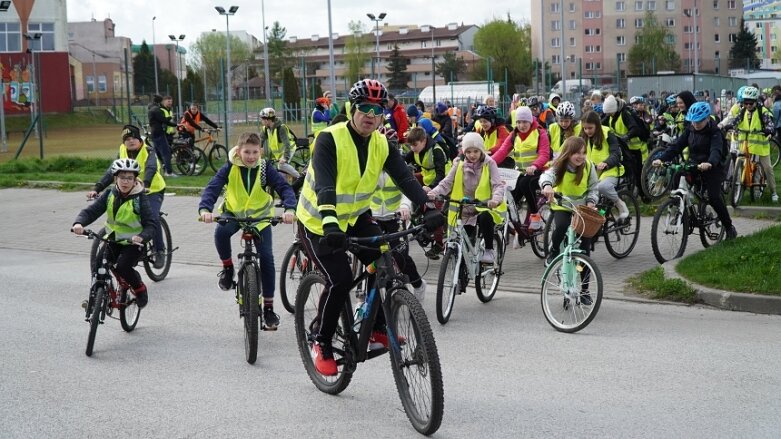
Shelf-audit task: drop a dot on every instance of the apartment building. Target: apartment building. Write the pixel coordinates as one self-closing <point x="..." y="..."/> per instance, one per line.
<point x="591" y="38"/>
<point x="763" y="18"/>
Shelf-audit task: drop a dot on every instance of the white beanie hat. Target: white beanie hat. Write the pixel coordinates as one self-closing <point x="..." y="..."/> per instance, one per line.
<point x="611" y="105"/>
<point x="472" y="140"/>
<point x="523" y="114"/>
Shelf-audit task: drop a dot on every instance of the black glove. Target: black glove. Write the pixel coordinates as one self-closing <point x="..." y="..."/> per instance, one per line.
<point x="433" y="218"/>
<point x="334" y="236"/>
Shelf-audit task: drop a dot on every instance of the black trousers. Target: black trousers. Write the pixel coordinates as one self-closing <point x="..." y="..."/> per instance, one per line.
<point x="402" y="258"/>
<point x="485" y="223"/>
<point x="126" y="257"/>
<point x="562" y="219"/>
<point x="527" y="186"/>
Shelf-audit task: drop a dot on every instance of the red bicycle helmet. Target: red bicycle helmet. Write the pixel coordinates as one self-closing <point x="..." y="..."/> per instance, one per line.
<point x="369" y="90"/>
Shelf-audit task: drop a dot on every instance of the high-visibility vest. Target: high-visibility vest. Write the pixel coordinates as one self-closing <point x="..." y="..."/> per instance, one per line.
<point x="557" y="139"/>
<point x="170" y="116"/>
<point x="426" y="164"/>
<point x="570" y="188"/>
<point x="190" y="128"/>
<point x="347" y="106"/>
<point x="595" y="155"/>
<point x="256" y="203"/>
<point x="757" y="141"/>
<point x="525" y="151"/>
<point x="158" y="183"/>
<point x="483" y="192"/>
<point x="386" y="197"/>
<point x="275" y="148"/>
<point x="617" y="124"/>
<point x="317" y="126"/>
<point x="126" y="222"/>
<point x="489" y="139"/>
<point x="353" y="189"/>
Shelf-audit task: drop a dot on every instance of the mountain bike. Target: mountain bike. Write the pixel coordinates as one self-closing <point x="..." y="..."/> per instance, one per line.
<point x="295" y="265"/>
<point x="462" y="263"/>
<point x="748" y="174"/>
<point x="655" y="181"/>
<point x="103" y="297"/>
<point x="413" y="351"/>
<point x="524" y="226"/>
<point x="571" y="286"/>
<point x="216" y="155"/>
<point x="687" y="209"/>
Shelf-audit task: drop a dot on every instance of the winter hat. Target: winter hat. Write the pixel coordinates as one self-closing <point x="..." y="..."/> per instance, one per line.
<point x="412" y="110"/>
<point x="472" y="140"/>
<point x="157" y="99"/>
<point x="523" y="114"/>
<point x="131" y="131"/>
<point x="441" y="107"/>
<point x="611" y="105"/>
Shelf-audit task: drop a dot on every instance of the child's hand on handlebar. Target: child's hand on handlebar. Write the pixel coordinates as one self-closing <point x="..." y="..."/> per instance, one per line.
<point x="288" y="217"/>
<point x="656" y="163"/>
<point x="492" y="204"/>
<point x="91" y="195"/>
<point x="207" y="217"/>
<point x="77" y="229"/>
<point x="547" y="192"/>
<point x="404" y="213"/>
<point x="704" y="166"/>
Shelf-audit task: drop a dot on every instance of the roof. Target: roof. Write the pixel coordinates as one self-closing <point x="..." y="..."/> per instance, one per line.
<point x="460" y="91"/>
<point x="386" y="36"/>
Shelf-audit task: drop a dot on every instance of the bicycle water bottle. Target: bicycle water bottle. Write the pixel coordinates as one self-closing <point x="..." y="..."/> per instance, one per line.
<point x="535" y="221"/>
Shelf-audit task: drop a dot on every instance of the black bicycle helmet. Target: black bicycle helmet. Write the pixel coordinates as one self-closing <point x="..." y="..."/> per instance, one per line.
<point x="485" y="112"/>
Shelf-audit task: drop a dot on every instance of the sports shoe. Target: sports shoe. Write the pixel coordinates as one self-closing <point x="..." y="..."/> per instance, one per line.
<point x="549" y="259"/>
<point x="142" y="298"/>
<point x="585" y="298"/>
<point x="731" y="233"/>
<point x="488" y="256"/>
<point x="159" y="261"/>
<point x="379" y="340"/>
<point x="434" y="252"/>
<point x="774" y="198"/>
<point x="226" y="278"/>
<point x="323" y="356"/>
<point x="420" y="292"/>
<point x="270" y="319"/>
<point x="623" y="211"/>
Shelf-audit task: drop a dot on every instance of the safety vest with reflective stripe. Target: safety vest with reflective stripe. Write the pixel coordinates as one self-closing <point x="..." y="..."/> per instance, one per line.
<point x="317" y="126"/>
<point x="757" y="141"/>
<point x="275" y="147"/>
<point x="387" y="196"/>
<point x="635" y="143"/>
<point x="595" y="155"/>
<point x="483" y="192"/>
<point x="158" y="183"/>
<point x="170" y="116"/>
<point x="426" y="164"/>
<point x="525" y="151"/>
<point x="126" y="223"/>
<point x="556" y="138"/>
<point x="256" y="203"/>
<point x="570" y="188"/>
<point x="347" y="106"/>
<point x="489" y="140"/>
<point x="353" y="190"/>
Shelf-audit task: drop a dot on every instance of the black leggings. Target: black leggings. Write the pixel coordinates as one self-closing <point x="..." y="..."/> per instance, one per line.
<point x="126" y="257"/>
<point x="485" y="222"/>
<point x="561" y="221"/>
<point x="402" y="258"/>
<point x="527" y="186"/>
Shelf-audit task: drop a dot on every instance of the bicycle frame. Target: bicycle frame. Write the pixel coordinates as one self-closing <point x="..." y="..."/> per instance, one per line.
<point x="459" y="239"/>
<point x="569" y="273"/>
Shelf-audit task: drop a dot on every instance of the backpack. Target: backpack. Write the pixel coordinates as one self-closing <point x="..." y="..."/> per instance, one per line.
<point x="645" y="132"/>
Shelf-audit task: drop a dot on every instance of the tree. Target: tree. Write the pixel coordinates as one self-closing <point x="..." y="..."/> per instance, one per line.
<point x="653" y="49"/>
<point x="451" y="67"/>
<point x="192" y="87"/>
<point x="357" y="51"/>
<point x="397" y="68"/>
<point x="279" y="59"/>
<point x="209" y="51"/>
<point x="508" y="44"/>
<point x="144" y="71"/>
<point x="290" y="85"/>
<point x="743" y="52"/>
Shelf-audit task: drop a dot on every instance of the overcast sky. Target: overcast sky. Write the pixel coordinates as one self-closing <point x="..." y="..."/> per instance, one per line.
<point x="301" y="18"/>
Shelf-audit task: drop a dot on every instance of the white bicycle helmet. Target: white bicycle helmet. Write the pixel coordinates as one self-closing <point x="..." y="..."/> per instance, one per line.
<point x="751" y="93"/>
<point x="268" y="113"/>
<point x="125" y="165"/>
<point x="565" y="110"/>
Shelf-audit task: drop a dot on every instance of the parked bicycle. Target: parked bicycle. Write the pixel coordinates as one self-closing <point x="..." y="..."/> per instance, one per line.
<point x="192" y="159"/>
<point x="687" y="209"/>
<point x="413" y="351"/>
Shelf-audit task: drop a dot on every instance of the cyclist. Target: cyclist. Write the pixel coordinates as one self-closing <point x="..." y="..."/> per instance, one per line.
<point x="321" y="115"/>
<point x="668" y="114"/>
<point x="621" y="121"/>
<point x="490" y="127"/>
<point x="638" y="103"/>
<point x="553" y="102"/>
<point x="129" y="217"/>
<point x="565" y="127"/>
<point x="603" y="150"/>
<point x="704" y="140"/>
<point x="191" y="121"/>
<point x="476" y="177"/>
<point x="276" y="142"/>
<point x="154" y="185"/>
<point x="158" y="125"/>
<point x="684" y="100"/>
<point x="396" y="118"/>
<point x="343" y="174"/>
<point x="243" y="177"/>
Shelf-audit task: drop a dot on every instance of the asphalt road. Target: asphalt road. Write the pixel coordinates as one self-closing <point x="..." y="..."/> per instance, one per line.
<point x="639" y="370"/>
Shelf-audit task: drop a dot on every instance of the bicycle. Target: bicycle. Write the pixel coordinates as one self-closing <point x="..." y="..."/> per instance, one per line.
<point x="655" y="181"/>
<point x="530" y="229"/>
<point x="459" y="249"/>
<point x="248" y="286"/>
<point x="568" y="295"/>
<point x="413" y="351"/>
<point x="688" y="208"/>
<point x="193" y="160"/>
<point x="748" y="174"/>
<point x="295" y="265"/>
<point x="104" y="298"/>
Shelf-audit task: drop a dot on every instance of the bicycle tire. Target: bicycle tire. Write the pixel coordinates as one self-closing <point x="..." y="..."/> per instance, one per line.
<point x="95" y="249"/>
<point x="547" y="235"/>
<point x="669" y="230"/>
<point x="538" y="236"/>
<point x="559" y="310"/>
<point x="94" y="319"/>
<point x="128" y="312"/>
<point x="447" y="285"/>
<point x="307" y="303"/>
<point x="149" y="254"/>
<point x="726" y="184"/>
<point x="737" y="183"/>
<point x="655" y="181"/>
<point x="183" y="159"/>
<point x="488" y="276"/>
<point x="199" y="162"/>
<point x="775" y="152"/>
<point x="218" y="156"/>
<point x="620" y="239"/>
<point x="415" y="362"/>
<point x="294" y="266"/>
<point x="250" y="292"/>
<point x="711" y="229"/>
<point x="757" y="183"/>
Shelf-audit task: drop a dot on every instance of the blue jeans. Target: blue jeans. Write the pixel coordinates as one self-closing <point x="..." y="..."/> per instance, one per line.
<point x="222" y="240"/>
<point x="163" y="150"/>
<point x="155" y="203"/>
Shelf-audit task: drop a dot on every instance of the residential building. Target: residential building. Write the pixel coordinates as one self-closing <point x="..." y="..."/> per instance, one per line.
<point x="763" y="18"/>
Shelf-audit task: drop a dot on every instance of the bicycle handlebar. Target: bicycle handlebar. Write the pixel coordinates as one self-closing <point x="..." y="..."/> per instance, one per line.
<point x="382" y="239"/>
<point x="466" y="201"/>
<point x="89" y="234"/>
<point x="273" y="220"/>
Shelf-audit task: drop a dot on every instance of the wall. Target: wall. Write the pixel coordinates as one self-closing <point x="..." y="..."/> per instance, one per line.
<point x="55" y="79"/>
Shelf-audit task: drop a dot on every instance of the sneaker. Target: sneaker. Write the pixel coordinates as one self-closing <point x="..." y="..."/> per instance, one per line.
<point x="488" y="256"/>
<point x="159" y="260"/>
<point x="434" y="252"/>
<point x="732" y="233"/>
<point x="170" y="175"/>
<point x="516" y="243"/>
<point x="623" y="211"/>
<point x="774" y="198"/>
<point x="549" y="259"/>
<point x="379" y="340"/>
<point x="585" y="298"/>
<point x="270" y="319"/>
<point x="420" y="292"/>
<point x="323" y="356"/>
<point x="142" y="299"/>
<point x="226" y="278"/>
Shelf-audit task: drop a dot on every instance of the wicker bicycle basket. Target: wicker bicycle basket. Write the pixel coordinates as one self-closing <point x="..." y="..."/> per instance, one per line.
<point x="586" y="221"/>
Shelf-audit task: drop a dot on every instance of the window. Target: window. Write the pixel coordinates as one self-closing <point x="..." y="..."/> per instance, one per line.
<point x="716" y="5"/>
<point x="90" y="84"/>
<point x="716" y="22"/>
<point x="555" y="42"/>
<point x="619" y="6"/>
<point x="555" y="25"/>
<point x="731" y="4"/>
<point x="733" y="38"/>
<point x="10" y="37"/>
<point x="716" y="38"/>
<point x="638" y="22"/>
<point x="620" y="23"/>
<point x="592" y="32"/>
<point x="638" y="6"/>
<point x="572" y="42"/>
<point x="620" y="40"/>
<point x="669" y="5"/>
<point x="733" y="21"/>
<point x="651" y="6"/>
<point x="46" y="42"/>
<point x="687" y="29"/>
<point x="572" y="7"/>
<point x="555" y="59"/>
<point x="102" y="83"/>
<point x="593" y="49"/>
<point x="593" y="14"/>
<point x="621" y="56"/>
<point x="554" y="7"/>
<point x="572" y="24"/>
<point x="670" y="39"/>
<point x="593" y="66"/>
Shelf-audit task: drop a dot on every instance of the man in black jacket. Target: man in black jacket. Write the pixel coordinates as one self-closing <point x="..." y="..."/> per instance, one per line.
<point x="158" y="121"/>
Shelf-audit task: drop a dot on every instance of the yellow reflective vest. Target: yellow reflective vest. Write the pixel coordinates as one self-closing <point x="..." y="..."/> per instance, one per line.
<point x="570" y="188"/>
<point x="426" y="164"/>
<point x="126" y="223"/>
<point x="525" y="151"/>
<point x="158" y="183"/>
<point x="483" y="192"/>
<point x="256" y="203"/>
<point x="597" y="156"/>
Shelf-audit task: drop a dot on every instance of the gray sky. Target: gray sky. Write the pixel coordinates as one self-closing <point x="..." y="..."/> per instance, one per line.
<point x="301" y="18"/>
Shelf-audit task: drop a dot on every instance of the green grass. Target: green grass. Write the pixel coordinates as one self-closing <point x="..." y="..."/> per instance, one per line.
<point x="749" y="264"/>
<point x="653" y="284"/>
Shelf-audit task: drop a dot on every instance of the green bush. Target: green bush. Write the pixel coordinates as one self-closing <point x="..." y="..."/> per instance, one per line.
<point x="60" y="164"/>
<point x="653" y="283"/>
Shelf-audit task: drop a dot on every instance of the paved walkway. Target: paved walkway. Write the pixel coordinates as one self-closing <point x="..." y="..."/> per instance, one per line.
<point x="39" y="219"/>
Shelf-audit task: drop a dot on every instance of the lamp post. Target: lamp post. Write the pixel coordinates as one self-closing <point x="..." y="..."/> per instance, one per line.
<point x="433" y="69"/>
<point x="231" y="11"/>
<point x="178" y="71"/>
<point x="377" y="21"/>
<point x="266" y="69"/>
<point x="154" y="56"/>
<point x="331" y="74"/>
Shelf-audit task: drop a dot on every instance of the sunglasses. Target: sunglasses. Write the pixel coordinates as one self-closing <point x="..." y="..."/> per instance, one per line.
<point x="369" y="109"/>
<point x="749" y="102"/>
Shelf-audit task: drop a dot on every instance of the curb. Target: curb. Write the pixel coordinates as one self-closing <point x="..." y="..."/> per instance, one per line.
<point x="728" y="300"/>
<point x="769" y="212"/>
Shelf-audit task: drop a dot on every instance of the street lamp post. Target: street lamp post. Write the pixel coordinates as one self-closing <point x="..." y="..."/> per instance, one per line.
<point x="377" y="21"/>
<point x="178" y="71"/>
<point x="433" y="69"/>
<point x="266" y="68"/>
<point x="154" y="56"/>
<point x="231" y="11"/>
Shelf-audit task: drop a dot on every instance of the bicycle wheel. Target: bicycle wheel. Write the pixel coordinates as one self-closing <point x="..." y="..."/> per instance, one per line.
<point x="307" y="326"/>
<point x="620" y="238"/>
<point x="294" y="266"/>
<point x="447" y="285"/>
<point x="415" y="362"/>
<point x="757" y="183"/>
<point x="150" y="253"/>
<point x="711" y="229"/>
<point x="538" y="236"/>
<point x="95" y="250"/>
<point x="487" y="279"/>
<point x="726" y="184"/>
<point x="775" y="152"/>
<point x="218" y="156"/>
<point x="94" y="319"/>
<point x="547" y="235"/>
<point x="737" y="183"/>
<point x="183" y="160"/>
<point x="669" y="231"/>
<point x="199" y="161"/>
<point x="655" y="181"/>
<point x="129" y="312"/>
<point x="249" y="307"/>
<point x="567" y="288"/>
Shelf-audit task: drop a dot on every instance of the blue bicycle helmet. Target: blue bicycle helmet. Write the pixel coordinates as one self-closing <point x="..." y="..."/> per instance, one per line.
<point x="698" y="112"/>
<point x="739" y="94"/>
<point x="412" y="111"/>
<point x="670" y="100"/>
<point x="597" y="108"/>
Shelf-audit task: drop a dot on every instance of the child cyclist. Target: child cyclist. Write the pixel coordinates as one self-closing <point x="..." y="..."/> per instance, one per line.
<point x="477" y="177"/>
<point x="603" y="150"/>
<point x="129" y="218"/>
<point x="244" y="177"/>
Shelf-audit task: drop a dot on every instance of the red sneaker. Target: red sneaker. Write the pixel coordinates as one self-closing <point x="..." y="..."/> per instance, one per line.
<point x="323" y="355"/>
<point x="379" y="339"/>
